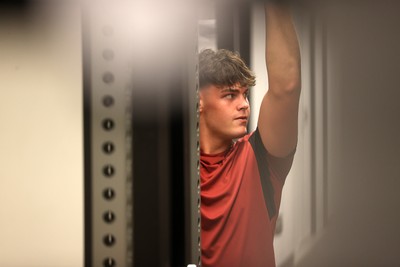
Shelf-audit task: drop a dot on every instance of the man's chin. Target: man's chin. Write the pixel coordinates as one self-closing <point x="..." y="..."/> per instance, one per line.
<point x="240" y="133"/>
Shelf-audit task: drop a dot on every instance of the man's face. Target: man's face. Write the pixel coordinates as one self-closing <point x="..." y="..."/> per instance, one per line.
<point x="224" y="111"/>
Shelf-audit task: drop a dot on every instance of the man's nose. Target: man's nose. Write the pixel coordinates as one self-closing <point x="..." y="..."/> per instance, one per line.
<point x="244" y="103"/>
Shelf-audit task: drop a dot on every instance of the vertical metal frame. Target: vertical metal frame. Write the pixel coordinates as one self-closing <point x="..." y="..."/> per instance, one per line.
<point x="194" y="154"/>
<point x="108" y="173"/>
<point x="129" y="119"/>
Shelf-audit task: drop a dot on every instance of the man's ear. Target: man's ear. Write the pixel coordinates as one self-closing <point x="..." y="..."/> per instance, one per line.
<point x="200" y="102"/>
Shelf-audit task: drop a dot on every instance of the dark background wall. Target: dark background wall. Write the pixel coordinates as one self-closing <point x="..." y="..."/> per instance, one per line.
<point x="341" y="203"/>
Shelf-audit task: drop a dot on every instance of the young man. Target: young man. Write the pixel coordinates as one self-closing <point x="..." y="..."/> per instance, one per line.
<point x="242" y="174"/>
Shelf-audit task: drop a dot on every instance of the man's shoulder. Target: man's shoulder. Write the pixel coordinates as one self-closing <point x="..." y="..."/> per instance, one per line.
<point x="253" y="138"/>
<point x="245" y="144"/>
<point x="246" y="137"/>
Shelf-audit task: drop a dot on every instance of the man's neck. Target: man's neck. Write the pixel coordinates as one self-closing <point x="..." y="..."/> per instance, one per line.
<point x="209" y="145"/>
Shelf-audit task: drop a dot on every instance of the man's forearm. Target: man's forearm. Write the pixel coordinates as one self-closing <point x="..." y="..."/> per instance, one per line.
<point x="282" y="49"/>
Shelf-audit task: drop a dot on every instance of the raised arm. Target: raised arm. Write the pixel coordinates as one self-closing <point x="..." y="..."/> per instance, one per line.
<point x="278" y="116"/>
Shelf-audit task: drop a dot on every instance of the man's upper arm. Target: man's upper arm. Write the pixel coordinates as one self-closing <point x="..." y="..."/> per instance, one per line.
<point x="278" y="116"/>
<point x="278" y="123"/>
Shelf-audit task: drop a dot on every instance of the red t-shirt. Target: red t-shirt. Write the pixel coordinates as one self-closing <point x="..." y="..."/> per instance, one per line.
<point x="238" y="214"/>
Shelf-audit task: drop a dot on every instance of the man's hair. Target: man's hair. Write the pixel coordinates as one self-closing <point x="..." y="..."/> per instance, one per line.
<point x="223" y="68"/>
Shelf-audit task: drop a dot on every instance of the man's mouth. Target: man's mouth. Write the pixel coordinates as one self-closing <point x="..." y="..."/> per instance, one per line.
<point x="241" y="118"/>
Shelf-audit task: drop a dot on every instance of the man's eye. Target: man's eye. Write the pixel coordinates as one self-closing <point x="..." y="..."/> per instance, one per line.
<point x="229" y="96"/>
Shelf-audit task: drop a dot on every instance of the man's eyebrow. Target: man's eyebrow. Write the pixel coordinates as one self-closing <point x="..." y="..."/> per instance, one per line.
<point x="231" y="90"/>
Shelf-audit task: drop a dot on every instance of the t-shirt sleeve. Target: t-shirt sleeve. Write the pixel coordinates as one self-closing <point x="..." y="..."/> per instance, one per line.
<point x="278" y="166"/>
<point x="273" y="172"/>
